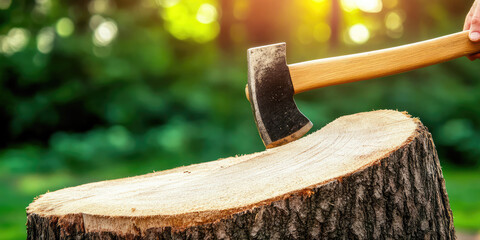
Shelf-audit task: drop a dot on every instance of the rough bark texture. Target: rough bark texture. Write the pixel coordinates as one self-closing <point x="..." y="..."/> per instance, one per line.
<point x="402" y="196"/>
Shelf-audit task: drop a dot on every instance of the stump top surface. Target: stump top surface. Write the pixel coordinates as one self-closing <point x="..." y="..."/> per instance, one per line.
<point x="225" y="186"/>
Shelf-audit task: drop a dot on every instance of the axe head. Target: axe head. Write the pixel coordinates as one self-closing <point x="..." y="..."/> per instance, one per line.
<point x="271" y="92"/>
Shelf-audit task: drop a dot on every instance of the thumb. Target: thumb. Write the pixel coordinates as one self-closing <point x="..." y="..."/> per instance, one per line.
<point x="474" y="35"/>
<point x="475" y="25"/>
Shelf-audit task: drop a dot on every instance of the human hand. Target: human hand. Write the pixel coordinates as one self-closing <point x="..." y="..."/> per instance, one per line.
<point x="472" y="23"/>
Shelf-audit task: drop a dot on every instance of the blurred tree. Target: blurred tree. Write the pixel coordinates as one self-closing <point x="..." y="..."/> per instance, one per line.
<point x="335" y="18"/>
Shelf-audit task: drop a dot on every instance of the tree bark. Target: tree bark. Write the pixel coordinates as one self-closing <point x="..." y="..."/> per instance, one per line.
<point x="372" y="175"/>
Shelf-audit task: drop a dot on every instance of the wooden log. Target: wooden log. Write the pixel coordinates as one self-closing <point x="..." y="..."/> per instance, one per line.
<point x="371" y="175"/>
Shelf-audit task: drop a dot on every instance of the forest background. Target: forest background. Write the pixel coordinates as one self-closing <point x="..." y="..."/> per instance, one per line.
<point x="101" y="89"/>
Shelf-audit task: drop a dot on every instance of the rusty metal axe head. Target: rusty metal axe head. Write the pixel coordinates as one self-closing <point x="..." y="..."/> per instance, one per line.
<point x="270" y="91"/>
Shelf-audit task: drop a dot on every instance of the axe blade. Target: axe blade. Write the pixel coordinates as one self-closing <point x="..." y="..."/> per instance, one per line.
<point x="271" y="96"/>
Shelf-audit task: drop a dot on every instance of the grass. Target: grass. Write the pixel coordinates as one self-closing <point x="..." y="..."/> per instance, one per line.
<point x="463" y="187"/>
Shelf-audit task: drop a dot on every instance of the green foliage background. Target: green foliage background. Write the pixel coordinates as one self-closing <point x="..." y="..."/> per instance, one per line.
<point x="162" y="95"/>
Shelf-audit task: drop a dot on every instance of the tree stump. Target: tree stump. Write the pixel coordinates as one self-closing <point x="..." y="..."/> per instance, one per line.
<point x="371" y="175"/>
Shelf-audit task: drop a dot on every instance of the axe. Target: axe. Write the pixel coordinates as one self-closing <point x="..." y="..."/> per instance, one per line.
<point x="272" y="83"/>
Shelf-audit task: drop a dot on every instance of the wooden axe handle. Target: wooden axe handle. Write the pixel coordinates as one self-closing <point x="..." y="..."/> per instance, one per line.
<point x="356" y="67"/>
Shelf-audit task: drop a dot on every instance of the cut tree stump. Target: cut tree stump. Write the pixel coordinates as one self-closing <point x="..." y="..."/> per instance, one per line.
<point x="371" y="175"/>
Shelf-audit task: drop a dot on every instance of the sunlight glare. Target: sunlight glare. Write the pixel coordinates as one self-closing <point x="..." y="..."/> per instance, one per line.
<point x="42" y="6"/>
<point x="98" y="6"/>
<point x="187" y="21"/>
<point x="393" y="21"/>
<point x="64" y="27"/>
<point x="5" y="4"/>
<point x="390" y="3"/>
<point x="45" y="40"/>
<point x="369" y="6"/>
<point x="359" y="33"/>
<point x="178" y="31"/>
<point x="207" y="13"/>
<point x="105" y="33"/>
<point x="167" y="3"/>
<point x="95" y="20"/>
<point x="206" y="32"/>
<point x="348" y="5"/>
<point x="15" y="41"/>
